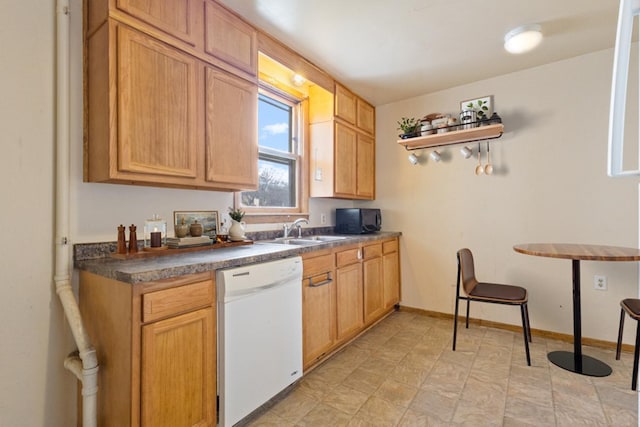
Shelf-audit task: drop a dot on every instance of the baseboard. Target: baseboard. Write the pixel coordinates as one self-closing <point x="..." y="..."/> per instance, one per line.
<point x="627" y="348"/>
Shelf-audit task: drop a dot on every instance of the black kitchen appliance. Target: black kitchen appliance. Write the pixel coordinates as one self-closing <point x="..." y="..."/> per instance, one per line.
<point x="358" y="220"/>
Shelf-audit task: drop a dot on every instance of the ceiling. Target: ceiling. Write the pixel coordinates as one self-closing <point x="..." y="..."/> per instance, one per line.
<point x="388" y="50"/>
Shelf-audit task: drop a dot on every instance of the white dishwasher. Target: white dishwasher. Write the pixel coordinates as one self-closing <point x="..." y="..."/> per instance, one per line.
<point x="259" y="334"/>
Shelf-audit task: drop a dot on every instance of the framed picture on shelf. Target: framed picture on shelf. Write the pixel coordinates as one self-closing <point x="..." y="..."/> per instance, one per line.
<point x="482" y="106"/>
<point x="208" y="219"/>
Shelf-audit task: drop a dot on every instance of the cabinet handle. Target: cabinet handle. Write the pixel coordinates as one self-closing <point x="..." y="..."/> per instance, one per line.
<point x="359" y="253"/>
<point x="324" y="282"/>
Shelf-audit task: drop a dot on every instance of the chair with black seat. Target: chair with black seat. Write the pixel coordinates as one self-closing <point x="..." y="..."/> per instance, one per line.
<point x="488" y="292"/>
<point x="632" y="307"/>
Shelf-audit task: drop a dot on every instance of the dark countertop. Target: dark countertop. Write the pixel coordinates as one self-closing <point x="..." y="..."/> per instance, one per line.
<point x="139" y="270"/>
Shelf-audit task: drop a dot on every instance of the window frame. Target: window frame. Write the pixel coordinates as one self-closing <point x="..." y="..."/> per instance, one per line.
<point x="267" y="214"/>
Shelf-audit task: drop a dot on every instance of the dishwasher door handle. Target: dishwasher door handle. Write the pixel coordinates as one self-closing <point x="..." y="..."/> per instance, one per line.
<point x="324" y="282"/>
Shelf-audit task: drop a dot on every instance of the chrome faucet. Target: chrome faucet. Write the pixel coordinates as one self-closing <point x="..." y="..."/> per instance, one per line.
<point x="297" y="223"/>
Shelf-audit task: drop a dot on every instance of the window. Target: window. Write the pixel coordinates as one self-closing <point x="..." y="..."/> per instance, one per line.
<point x="279" y="157"/>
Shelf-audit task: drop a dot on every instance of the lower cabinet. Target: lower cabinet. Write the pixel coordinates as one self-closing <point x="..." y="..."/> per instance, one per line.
<point x="349" y="294"/>
<point x="372" y="268"/>
<point x="391" y="272"/>
<point x="178" y="368"/>
<point x="345" y="290"/>
<point x="156" y="345"/>
<point x="318" y="306"/>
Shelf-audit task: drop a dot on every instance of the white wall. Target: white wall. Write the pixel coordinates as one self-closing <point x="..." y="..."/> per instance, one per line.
<point x="549" y="185"/>
<point x="35" y="390"/>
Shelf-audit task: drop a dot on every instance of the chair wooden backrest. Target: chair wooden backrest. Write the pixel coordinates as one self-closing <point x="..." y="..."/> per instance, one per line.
<point x="467" y="270"/>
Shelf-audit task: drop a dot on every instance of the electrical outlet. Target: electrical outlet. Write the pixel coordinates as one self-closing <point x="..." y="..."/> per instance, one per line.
<point x="323" y="218"/>
<point x="600" y="283"/>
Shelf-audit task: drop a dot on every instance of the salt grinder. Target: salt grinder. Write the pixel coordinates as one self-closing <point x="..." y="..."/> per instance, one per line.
<point x="122" y="244"/>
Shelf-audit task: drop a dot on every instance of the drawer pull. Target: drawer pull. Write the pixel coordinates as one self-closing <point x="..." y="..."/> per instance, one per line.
<point x="324" y="282"/>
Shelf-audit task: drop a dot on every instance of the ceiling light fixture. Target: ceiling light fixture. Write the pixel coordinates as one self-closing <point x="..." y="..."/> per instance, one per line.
<point x="523" y="39"/>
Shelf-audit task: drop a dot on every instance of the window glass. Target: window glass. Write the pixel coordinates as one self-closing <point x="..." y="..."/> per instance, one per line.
<point x="277" y="157"/>
<point x="274" y="123"/>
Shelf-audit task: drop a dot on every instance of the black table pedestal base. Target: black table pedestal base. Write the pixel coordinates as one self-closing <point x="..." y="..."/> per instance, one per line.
<point x="590" y="366"/>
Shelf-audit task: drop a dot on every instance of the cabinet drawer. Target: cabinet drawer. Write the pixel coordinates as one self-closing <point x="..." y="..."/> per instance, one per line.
<point x="159" y="304"/>
<point x="318" y="265"/>
<point x="372" y="251"/>
<point x="390" y="246"/>
<point x="349" y="256"/>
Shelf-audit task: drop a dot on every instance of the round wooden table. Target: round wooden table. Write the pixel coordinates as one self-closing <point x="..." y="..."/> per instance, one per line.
<point x="576" y="361"/>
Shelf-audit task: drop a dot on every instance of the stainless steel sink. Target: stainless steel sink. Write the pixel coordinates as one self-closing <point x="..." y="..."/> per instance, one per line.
<point x="293" y="241"/>
<point x="326" y="238"/>
<point x="309" y="240"/>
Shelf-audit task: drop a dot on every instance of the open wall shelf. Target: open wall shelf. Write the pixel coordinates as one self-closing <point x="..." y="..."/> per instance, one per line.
<point x="453" y="137"/>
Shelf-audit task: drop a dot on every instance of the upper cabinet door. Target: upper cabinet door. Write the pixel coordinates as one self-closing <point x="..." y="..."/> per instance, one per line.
<point x="157" y="107"/>
<point x="345" y="104"/>
<point x="230" y="39"/>
<point x="366" y="117"/>
<point x="177" y="18"/>
<point x="365" y="167"/>
<point x="345" y="146"/>
<point x="231" y="117"/>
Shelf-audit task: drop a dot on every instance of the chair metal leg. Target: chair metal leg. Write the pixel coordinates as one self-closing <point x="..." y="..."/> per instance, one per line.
<point x="526" y="312"/>
<point x="455" y="315"/>
<point x="636" y="352"/>
<point x="468" y="304"/>
<point x="525" y="334"/>
<point x="620" y="328"/>
<point x="455" y="324"/>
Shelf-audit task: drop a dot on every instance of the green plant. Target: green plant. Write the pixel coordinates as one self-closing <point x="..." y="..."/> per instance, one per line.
<point x="408" y="125"/>
<point x="236" y="214"/>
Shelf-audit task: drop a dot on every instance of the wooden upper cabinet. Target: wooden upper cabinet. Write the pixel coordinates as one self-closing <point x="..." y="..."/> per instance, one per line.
<point x="157" y="117"/>
<point x="366" y="116"/>
<point x="178" y="18"/>
<point x="354" y="110"/>
<point x="204" y="29"/>
<point x="346" y="152"/>
<point x="230" y="39"/>
<point x="142" y="110"/>
<point x="231" y="117"/>
<point x="345" y="104"/>
<point x="365" y="167"/>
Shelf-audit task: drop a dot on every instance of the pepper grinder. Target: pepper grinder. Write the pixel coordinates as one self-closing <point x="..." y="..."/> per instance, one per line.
<point x="122" y="245"/>
<point x="133" y="239"/>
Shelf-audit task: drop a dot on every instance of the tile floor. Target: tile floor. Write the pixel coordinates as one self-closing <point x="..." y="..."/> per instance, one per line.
<point x="402" y="372"/>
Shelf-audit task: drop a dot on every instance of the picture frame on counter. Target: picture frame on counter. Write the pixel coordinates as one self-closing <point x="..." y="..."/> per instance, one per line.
<point x="208" y="219"/>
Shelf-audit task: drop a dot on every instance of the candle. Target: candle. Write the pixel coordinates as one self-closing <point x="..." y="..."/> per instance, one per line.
<point x="156" y="239"/>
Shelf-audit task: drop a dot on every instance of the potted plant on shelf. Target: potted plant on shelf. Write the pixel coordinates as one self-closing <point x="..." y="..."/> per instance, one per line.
<point x="236" y="231"/>
<point x="410" y="127"/>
